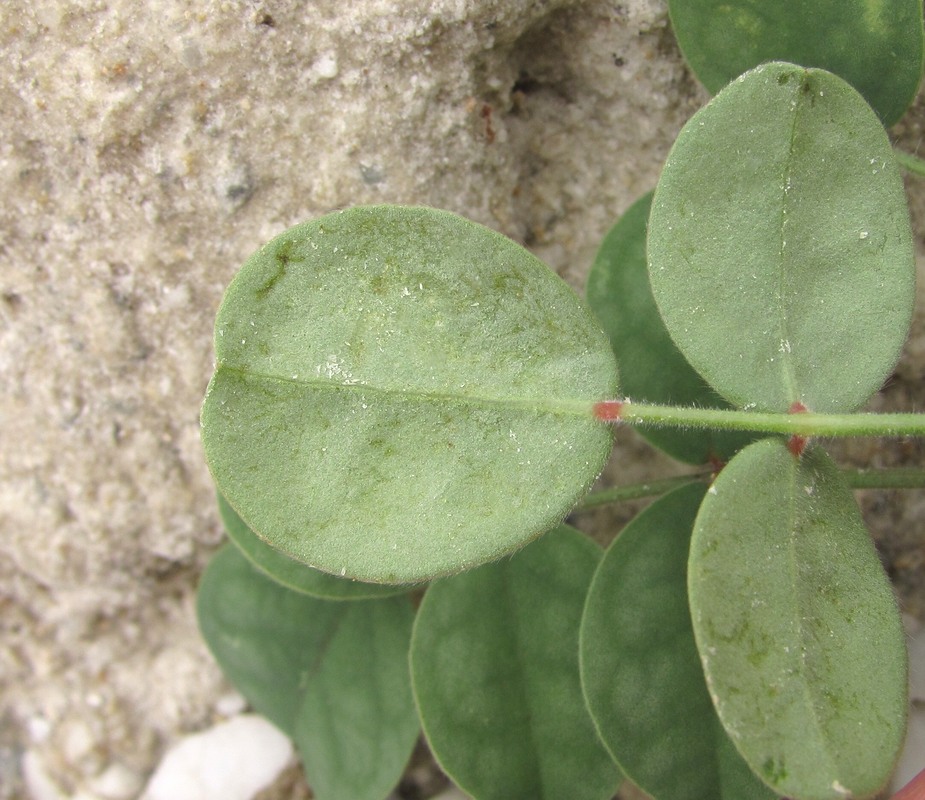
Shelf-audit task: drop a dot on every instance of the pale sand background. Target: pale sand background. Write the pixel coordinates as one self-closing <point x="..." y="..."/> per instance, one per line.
<point x="146" y="148"/>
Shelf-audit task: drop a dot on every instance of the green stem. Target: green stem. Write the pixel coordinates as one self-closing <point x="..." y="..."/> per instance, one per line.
<point x="801" y="424"/>
<point x="909" y="162"/>
<point x="637" y="491"/>
<point x="891" y="478"/>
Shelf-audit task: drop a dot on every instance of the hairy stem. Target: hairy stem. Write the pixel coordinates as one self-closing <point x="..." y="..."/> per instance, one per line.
<point x="909" y="162"/>
<point x="802" y="424"/>
<point x="890" y="478"/>
<point x="637" y="491"/>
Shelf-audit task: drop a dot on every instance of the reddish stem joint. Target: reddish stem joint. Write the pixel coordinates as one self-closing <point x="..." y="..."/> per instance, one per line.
<point x="914" y="790"/>
<point x="608" y="410"/>
<point x="797" y="444"/>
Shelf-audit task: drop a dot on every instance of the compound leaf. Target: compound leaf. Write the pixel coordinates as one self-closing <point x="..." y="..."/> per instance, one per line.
<point x="780" y="252"/>
<point x="875" y="45"/>
<point x="494" y="662"/>
<point x="294" y="574"/>
<point x="640" y="671"/>
<point x="651" y="367"/>
<point x="334" y="676"/>
<point x="400" y="393"/>
<point x="796" y="625"/>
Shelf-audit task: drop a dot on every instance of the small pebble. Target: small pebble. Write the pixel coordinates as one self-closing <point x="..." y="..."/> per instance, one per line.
<point x="230" y="704"/>
<point x="39" y="729"/>
<point x="78" y="741"/>
<point x="116" y="782"/>
<point x="233" y="760"/>
<point x="39" y="785"/>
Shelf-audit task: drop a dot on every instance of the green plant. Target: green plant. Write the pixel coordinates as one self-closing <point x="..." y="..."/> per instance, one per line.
<point x="402" y="396"/>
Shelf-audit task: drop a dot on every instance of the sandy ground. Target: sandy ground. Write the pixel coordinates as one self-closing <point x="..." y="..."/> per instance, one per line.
<point x="145" y="150"/>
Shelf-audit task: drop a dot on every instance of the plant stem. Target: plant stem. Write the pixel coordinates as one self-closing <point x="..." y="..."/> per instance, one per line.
<point x="890" y="478"/>
<point x="637" y="491"/>
<point x="909" y="162"/>
<point x="802" y="424"/>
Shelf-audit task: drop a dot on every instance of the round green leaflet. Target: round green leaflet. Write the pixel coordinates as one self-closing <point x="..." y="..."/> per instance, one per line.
<point x="640" y="671"/>
<point x="294" y="574"/>
<point x="796" y="625"/>
<point x="400" y="393"/>
<point x="780" y="253"/>
<point x="494" y="662"/>
<point x="333" y="676"/>
<point x="875" y="45"/>
<point x="651" y="368"/>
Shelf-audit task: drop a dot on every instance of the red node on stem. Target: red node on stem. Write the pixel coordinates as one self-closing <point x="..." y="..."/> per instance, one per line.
<point x="915" y="790"/>
<point x="797" y="444"/>
<point x="716" y="464"/>
<point x="608" y="410"/>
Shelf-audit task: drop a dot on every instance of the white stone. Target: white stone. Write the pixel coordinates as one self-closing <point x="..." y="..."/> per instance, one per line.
<point x="230" y="761"/>
<point x="228" y="705"/>
<point x="78" y="741"/>
<point x="116" y="782"/>
<point x="38" y="784"/>
<point x="325" y="67"/>
<point x="38" y="728"/>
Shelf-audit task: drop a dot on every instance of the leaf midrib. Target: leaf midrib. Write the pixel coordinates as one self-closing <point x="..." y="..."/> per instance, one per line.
<point x="788" y="376"/>
<point x="565" y="406"/>
<point x="511" y="608"/>
<point x="809" y="690"/>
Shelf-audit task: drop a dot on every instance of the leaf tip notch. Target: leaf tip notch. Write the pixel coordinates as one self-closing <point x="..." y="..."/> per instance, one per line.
<point x="608" y="410"/>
